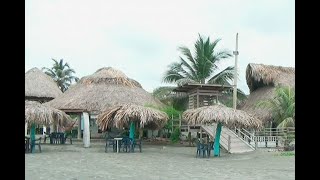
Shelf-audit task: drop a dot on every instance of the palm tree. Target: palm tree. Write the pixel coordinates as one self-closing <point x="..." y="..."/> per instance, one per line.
<point x="202" y="66"/>
<point x="282" y="106"/>
<point x="62" y="74"/>
<point x="199" y="68"/>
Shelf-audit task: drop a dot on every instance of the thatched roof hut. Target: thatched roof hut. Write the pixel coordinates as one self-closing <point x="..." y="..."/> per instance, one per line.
<point x="106" y="88"/>
<point x="262" y="81"/>
<point x="41" y="114"/>
<point x="121" y="116"/>
<point x="39" y="86"/>
<point x="219" y="113"/>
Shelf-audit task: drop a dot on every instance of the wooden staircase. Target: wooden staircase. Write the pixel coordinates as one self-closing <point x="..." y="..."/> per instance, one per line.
<point x="229" y="140"/>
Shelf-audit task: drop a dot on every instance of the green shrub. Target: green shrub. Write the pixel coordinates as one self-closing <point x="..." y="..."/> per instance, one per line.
<point x="175" y="136"/>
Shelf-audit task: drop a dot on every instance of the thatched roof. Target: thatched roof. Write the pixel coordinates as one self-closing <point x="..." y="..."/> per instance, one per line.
<point x="260" y="75"/>
<point x="38" y="85"/>
<point x="41" y="114"/>
<point x="262" y="81"/>
<point x="106" y="88"/>
<point x="121" y="116"/>
<point x="220" y="113"/>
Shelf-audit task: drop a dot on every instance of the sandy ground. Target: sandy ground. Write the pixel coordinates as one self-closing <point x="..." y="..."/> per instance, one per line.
<point x="156" y="162"/>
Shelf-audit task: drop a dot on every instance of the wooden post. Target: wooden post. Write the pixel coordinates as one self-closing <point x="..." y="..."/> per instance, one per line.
<point x="32" y="136"/>
<point x="229" y="143"/>
<point x="197" y="98"/>
<point x="171" y="123"/>
<point x="200" y="134"/>
<point x="256" y="142"/>
<point x="140" y="133"/>
<point x="79" y="127"/>
<point x="26" y="129"/>
<point x="217" y="140"/>
<point x="86" y="130"/>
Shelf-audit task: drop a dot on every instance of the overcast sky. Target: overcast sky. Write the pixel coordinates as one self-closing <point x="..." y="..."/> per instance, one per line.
<point x="141" y="37"/>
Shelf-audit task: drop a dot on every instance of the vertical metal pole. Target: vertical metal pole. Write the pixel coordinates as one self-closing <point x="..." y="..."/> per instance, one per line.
<point x="229" y="143"/>
<point x="235" y="78"/>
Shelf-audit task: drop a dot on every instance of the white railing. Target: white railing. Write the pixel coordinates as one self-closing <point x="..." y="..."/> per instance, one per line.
<point x="271" y="135"/>
<point x="225" y="140"/>
<point x="245" y="136"/>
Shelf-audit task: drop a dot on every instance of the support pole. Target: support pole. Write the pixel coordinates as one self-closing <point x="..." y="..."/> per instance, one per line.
<point x="51" y="128"/>
<point x="217" y="140"/>
<point x="32" y="136"/>
<point x="44" y="130"/>
<point x="79" y="127"/>
<point x="86" y="130"/>
<point x="26" y="129"/>
<point x="132" y="130"/>
<point x="235" y="78"/>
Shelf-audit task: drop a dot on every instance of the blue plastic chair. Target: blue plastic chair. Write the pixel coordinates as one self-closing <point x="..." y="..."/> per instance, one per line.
<point x="110" y="143"/>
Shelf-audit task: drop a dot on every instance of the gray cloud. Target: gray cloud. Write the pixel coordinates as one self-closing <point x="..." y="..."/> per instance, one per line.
<point x="141" y="38"/>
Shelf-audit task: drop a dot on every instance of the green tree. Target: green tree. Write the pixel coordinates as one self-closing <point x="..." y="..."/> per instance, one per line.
<point x="282" y="106"/>
<point x="62" y="74"/>
<point x="202" y="66"/>
<point x="166" y="95"/>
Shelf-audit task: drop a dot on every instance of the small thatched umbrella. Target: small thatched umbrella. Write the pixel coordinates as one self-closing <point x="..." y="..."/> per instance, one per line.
<point x="128" y="114"/>
<point x="39" y="86"/>
<point x="37" y="113"/>
<point x="262" y="81"/>
<point x="223" y="116"/>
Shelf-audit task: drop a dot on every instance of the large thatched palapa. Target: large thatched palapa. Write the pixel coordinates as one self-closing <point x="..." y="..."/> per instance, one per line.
<point x="41" y="114"/>
<point x="106" y="88"/>
<point x="219" y="113"/>
<point x="262" y="81"/>
<point x="39" y="86"/>
<point x="121" y="116"/>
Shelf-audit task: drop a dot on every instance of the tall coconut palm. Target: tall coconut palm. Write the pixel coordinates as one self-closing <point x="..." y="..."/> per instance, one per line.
<point x="282" y="106"/>
<point x="62" y="74"/>
<point x="202" y="66"/>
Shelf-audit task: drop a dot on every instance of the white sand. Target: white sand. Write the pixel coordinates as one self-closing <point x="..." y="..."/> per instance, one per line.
<point x="154" y="163"/>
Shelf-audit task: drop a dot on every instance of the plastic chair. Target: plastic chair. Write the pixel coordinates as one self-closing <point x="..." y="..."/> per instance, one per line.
<point x="126" y="143"/>
<point x="36" y="142"/>
<point x="137" y="142"/>
<point x="201" y="148"/>
<point x="210" y="148"/>
<point x="110" y="143"/>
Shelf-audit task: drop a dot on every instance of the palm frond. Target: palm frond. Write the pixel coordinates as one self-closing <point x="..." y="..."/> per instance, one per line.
<point x="224" y="76"/>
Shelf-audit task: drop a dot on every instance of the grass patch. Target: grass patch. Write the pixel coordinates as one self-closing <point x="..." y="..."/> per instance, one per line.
<point x="287" y="154"/>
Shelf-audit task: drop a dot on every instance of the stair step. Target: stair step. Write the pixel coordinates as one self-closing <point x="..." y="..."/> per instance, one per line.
<point x="237" y="144"/>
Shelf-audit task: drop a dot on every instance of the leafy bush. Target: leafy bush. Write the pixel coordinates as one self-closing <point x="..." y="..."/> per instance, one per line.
<point x="175" y="136"/>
